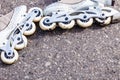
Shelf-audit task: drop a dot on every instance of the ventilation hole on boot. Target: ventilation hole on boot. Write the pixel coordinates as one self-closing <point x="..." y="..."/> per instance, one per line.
<point x="27" y="24"/>
<point x="103" y="14"/>
<point x="3" y="43"/>
<point x="18" y="38"/>
<point x="35" y="11"/>
<point x="58" y="10"/>
<point x="85" y="17"/>
<point x="66" y="18"/>
<point x="94" y="7"/>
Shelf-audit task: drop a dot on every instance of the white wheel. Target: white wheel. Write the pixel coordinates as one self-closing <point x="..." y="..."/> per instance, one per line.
<point x="86" y="23"/>
<point x="105" y="21"/>
<point x="31" y="30"/>
<point x="22" y="44"/>
<point x="67" y="25"/>
<point x="45" y="26"/>
<point x="9" y="59"/>
<point x="39" y="16"/>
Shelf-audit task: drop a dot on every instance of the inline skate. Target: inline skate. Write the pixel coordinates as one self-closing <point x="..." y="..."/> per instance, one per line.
<point x="13" y="27"/>
<point x="66" y="13"/>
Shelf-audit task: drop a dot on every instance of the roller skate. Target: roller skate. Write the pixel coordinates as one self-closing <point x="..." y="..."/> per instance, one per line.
<point x="66" y="13"/>
<point x="13" y="28"/>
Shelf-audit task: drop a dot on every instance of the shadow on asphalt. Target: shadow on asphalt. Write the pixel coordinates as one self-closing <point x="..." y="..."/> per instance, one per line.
<point x="59" y="31"/>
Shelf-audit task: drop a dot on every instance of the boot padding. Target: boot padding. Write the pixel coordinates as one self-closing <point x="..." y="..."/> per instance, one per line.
<point x="5" y="19"/>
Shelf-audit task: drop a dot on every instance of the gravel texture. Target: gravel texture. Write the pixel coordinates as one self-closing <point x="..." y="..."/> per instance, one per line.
<point x="76" y="54"/>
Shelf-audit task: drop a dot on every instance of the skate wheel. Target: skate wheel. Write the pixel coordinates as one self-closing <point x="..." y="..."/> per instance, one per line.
<point x="21" y="44"/>
<point x="68" y="25"/>
<point x="86" y="23"/>
<point x="104" y="21"/>
<point x="31" y="30"/>
<point x="9" y="59"/>
<point x="45" y="26"/>
<point x="38" y="17"/>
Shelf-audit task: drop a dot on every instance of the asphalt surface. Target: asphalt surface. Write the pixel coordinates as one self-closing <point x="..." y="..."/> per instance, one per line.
<point x="76" y="54"/>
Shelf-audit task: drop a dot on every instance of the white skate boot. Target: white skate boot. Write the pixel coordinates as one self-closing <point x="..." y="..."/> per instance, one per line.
<point x="84" y="12"/>
<point x="12" y="27"/>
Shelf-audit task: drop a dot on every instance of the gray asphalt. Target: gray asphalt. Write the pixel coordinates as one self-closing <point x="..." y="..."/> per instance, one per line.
<point x="76" y="54"/>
